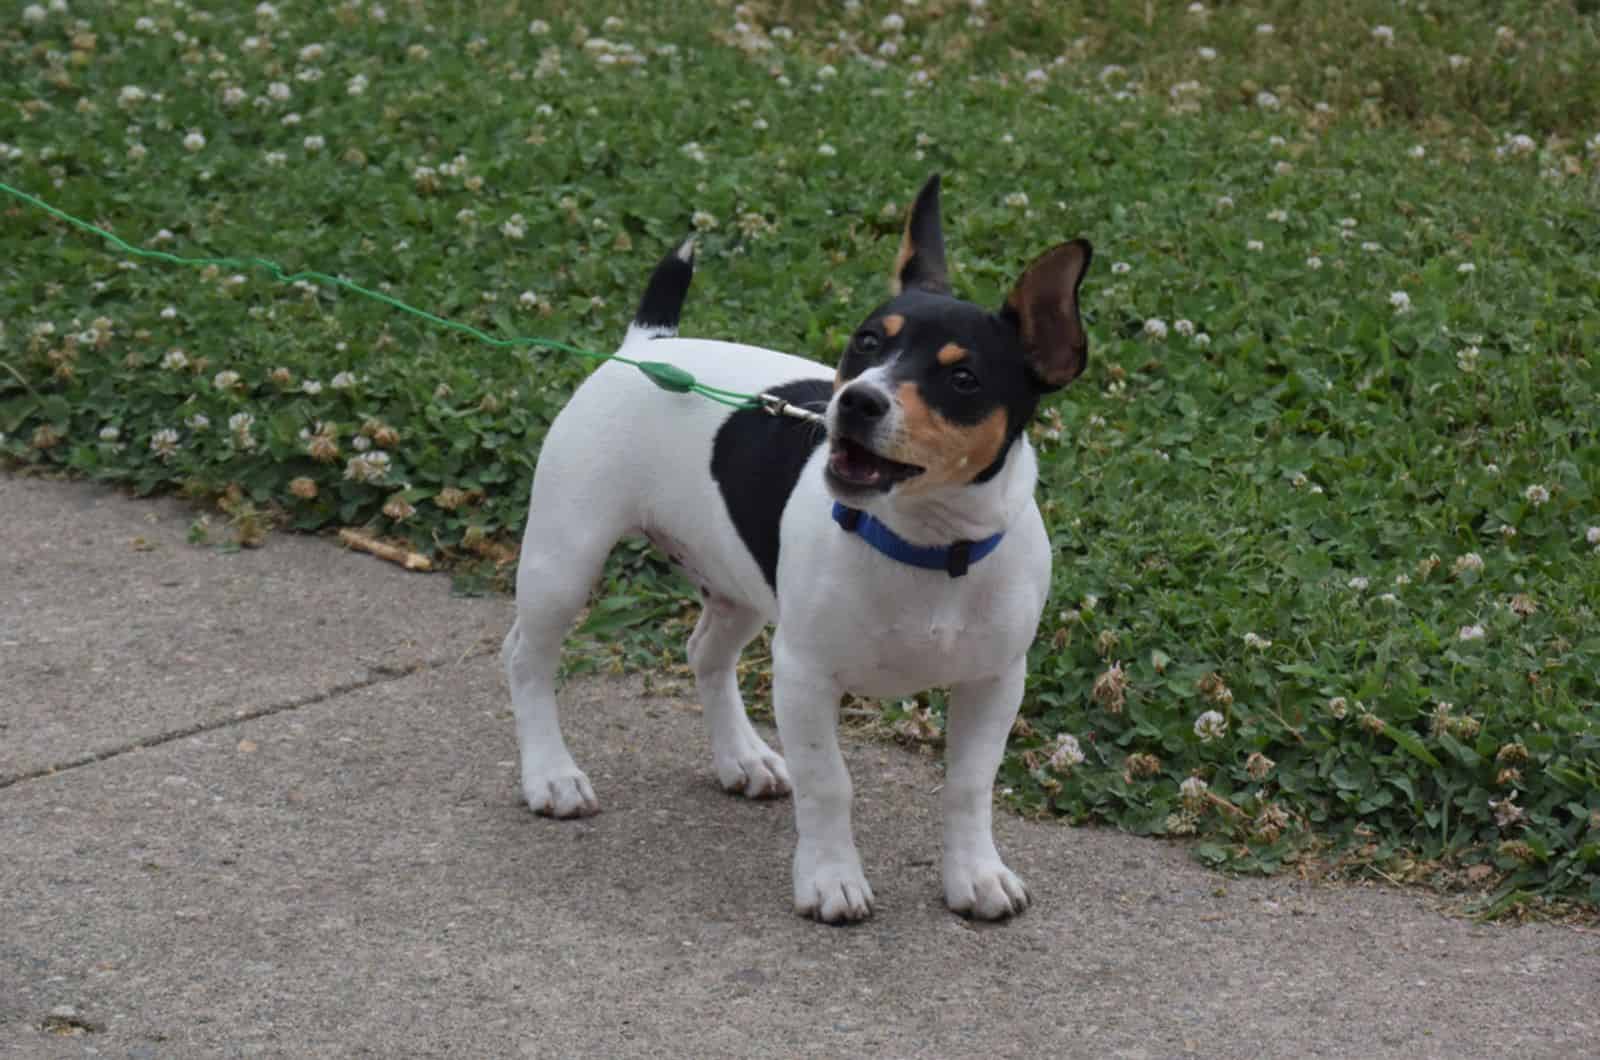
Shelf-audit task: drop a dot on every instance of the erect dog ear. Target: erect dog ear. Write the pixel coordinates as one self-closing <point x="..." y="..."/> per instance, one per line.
<point x="1044" y="306"/>
<point x="921" y="260"/>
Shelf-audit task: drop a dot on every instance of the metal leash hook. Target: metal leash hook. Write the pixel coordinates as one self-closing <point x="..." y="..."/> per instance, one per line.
<point x="779" y="407"/>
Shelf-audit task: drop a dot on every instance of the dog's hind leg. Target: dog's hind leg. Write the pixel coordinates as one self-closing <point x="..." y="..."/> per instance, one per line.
<point x="744" y="762"/>
<point x="559" y="565"/>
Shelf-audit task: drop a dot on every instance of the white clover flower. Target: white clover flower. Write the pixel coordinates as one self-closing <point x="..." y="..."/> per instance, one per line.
<point x="1183" y="327"/>
<point x="225" y="380"/>
<point x="1207" y="54"/>
<point x="1506" y="811"/>
<point x="275" y="158"/>
<point x="1256" y="641"/>
<point x="367" y="467"/>
<point x="759" y="125"/>
<point x="1225" y="202"/>
<point x="343" y="381"/>
<point x="1469" y="561"/>
<point x="33" y="14"/>
<point x="1265" y="29"/>
<point x="1372" y="248"/>
<point x="312" y="52"/>
<point x="314" y="143"/>
<point x="1120" y="268"/>
<point x="1338" y="706"/>
<point x="826" y="150"/>
<point x="1202" y="339"/>
<point x="893" y="22"/>
<point x="1280" y="216"/>
<point x="361" y="443"/>
<point x="1197" y="8"/>
<point x="164" y="443"/>
<point x="1313" y="263"/>
<point x="1066" y="753"/>
<point x="1358" y="583"/>
<point x="827" y="73"/>
<point x="1536" y="495"/>
<point x="1401" y="301"/>
<point x="1193" y="790"/>
<point x="1592" y="535"/>
<point x="356" y="85"/>
<point x="131" y="95"/>
<point x="194" y="141"/>
<point x="538" y="27"/>
<point x="1156" y="329"/>
<point x="514" y="227"/>
<point x="1254" y="245"/>
<point x="1210" y="726"/>
<point x="1267" y="100"/>
<point x="109" y="434"/>
<point x="693" y="151"/>
<point x="241" y="422"/>
<point x="198" y="422"/>
<point x="175" y="361"/>
<point x="1467" y="359"/>
<point x="703" y="221"/>
<point x="1035" y="76"/>
<point x="1471" y="633"/>
<point x="1458" y="62"/>
<point x="1384" y="35"/>
<point x="311" y="387"/>
<point x="1017" y="199"/>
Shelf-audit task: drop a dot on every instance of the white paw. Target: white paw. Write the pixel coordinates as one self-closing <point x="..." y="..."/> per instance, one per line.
<point x="756" y="772"/>
<point x="559" y="793"/>
<point x="832" y="892"/>
<point x="984" y="890"/>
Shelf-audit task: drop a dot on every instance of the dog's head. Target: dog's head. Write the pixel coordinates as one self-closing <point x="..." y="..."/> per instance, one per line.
<point x="933" y="391"/>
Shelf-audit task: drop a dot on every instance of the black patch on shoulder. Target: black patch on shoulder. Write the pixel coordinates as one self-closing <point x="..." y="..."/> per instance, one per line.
<point x="757" y="458"/>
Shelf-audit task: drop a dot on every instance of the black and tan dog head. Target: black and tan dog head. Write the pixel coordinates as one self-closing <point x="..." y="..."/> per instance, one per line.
<point x="934" y="391"/>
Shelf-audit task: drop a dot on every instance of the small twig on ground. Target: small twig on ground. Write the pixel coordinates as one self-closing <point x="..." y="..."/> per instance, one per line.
<point x="404" y="557"/>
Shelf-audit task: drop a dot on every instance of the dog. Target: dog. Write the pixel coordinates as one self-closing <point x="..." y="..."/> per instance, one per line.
<point x="902" y="551"/>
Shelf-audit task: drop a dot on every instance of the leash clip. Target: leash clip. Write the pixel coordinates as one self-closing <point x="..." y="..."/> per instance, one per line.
<point x="776" y="406"/>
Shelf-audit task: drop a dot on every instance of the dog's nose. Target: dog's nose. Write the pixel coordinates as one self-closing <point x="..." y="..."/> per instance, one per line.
<point x="863" y="403"/>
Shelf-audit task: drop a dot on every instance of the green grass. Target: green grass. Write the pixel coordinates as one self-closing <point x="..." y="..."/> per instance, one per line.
<point x="1355" y="526"/>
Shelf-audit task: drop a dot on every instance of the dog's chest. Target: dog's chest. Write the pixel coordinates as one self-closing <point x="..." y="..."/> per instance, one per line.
<point x="899" y="646"/>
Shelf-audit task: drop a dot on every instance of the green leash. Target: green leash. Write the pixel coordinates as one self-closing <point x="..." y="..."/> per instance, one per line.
<point x="666" y="376"/>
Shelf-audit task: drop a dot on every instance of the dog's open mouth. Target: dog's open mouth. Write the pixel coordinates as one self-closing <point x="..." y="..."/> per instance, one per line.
<point x="853" y="464"/>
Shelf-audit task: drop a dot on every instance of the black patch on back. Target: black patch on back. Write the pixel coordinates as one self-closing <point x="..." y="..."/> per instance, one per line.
<point x="757" y="458"/>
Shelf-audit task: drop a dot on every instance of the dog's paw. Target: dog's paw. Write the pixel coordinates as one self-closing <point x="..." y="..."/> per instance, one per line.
<point x="755" y="772"/>
<point x="565" y="793"/>
<point x="984" y="890"/>
<point x="832" y="893"/>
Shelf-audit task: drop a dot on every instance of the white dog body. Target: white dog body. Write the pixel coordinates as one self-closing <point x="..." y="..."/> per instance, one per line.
<point x="745" y="504"/>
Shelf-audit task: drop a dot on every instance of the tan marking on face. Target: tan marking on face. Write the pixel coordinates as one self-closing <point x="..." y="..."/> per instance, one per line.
<point x="892" y="324"/>
<point x="950" y="353"/>
<point x="949" y="453"/>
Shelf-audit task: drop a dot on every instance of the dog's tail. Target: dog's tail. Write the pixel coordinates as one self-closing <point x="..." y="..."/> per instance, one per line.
<point x="662" y="303"/>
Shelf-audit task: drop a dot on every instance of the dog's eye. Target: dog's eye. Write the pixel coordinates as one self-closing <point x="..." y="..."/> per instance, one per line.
<point x="868" y="342"/>
<point x="964" y="380"/>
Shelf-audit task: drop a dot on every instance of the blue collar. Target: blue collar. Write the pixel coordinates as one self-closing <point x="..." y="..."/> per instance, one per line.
<point x="953" y="560"/>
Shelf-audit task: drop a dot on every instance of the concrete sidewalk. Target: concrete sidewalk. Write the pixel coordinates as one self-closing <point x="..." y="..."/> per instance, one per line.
<point x="265" y="804"/>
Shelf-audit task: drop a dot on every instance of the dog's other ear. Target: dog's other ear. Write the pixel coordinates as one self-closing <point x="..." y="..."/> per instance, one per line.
<point x="921" y="260"/>
<point x="1044" y="306"/>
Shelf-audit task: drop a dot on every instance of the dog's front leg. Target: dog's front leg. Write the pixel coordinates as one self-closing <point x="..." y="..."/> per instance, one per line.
<point x="828" y="882"/>
<point x="976" y="882"/>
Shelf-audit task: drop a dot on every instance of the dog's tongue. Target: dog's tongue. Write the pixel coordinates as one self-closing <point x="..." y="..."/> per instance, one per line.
<point x="853" y="463"/>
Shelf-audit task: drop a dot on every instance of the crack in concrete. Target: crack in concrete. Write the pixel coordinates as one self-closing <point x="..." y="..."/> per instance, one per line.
<point x="377" y="675"/>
